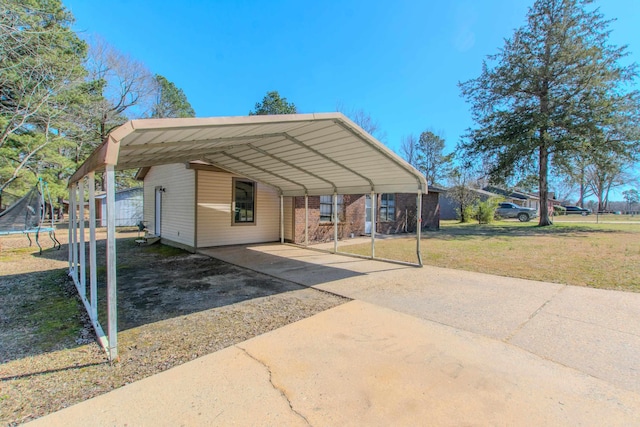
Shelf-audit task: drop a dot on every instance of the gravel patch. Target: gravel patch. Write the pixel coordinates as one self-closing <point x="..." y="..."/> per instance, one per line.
<point x="173" y="308"/>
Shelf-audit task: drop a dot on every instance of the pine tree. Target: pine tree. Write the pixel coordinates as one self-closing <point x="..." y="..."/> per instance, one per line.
<point x="555" y="90"/>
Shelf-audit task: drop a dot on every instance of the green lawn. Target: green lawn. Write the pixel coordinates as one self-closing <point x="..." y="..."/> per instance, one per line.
<point x="584" y="254"/>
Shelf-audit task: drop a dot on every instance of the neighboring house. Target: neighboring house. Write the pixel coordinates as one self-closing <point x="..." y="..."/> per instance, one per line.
<point x="449" y="208"/>
<point x="230" y="209"/>
<point x="520" y="198"/>
<point x="129" y="207"/>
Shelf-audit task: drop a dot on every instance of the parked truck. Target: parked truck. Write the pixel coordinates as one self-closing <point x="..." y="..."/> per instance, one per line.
<point x="511" y="210"/>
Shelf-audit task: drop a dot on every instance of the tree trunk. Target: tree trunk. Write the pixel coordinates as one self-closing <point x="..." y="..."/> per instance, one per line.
<point x="582" y="187"/>
<point x="543" y="183"/>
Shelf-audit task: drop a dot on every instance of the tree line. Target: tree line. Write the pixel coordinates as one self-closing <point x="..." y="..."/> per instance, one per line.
<point x="61" y="95"/>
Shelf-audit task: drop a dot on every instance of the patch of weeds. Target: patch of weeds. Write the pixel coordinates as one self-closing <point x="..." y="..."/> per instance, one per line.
<point x="165" y="250"/>
<point x="12" y="253"/>
<point x="56" y="314"/>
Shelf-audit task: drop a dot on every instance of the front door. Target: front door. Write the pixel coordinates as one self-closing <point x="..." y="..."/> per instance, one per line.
<point x="367" y="214"/>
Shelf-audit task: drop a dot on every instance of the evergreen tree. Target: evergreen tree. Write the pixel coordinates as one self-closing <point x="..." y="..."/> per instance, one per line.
<point x="40" y="65"/>
<point x="170" y="101"/>
<point x="273" y="104"/>
<point x="555" y="90"/>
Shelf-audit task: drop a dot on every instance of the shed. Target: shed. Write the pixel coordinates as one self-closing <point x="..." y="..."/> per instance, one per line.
<point x="129" y="204"/>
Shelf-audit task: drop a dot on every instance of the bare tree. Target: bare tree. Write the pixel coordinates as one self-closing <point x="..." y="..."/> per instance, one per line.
<point x="128" y="87"/>
<point x="408" y="149"/>
<point x="605" y="175"/>
<point x="364" y="120"/>
<point x="461" y="190"/>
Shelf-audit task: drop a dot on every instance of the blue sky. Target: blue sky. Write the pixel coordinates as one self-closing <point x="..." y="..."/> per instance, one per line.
<point x="398" y="61"/>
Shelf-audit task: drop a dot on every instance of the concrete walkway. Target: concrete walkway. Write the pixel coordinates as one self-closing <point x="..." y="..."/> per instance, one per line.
<point x="416" y="347"/>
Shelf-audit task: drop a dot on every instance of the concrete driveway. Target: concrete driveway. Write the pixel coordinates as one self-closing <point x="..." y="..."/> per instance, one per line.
<point x="423" y="346"/>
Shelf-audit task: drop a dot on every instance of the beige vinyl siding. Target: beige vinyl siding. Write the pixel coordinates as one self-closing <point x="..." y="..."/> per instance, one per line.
<point x="215" y="226"/>
<point x="178" y="215"/>
<point x="288" y="219"/>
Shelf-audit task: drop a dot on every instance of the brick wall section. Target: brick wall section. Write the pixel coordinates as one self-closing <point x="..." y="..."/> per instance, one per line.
<point x="353" y="210"/>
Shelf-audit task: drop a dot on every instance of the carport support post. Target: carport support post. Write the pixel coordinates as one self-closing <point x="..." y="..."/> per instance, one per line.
<point x="373" y="225"/>
<point x="281" y="218"/>
<point x="70" y="231"/>
<point x="335" y="222"/>
<point x="306" y="219"/>
<point x="73" y="224"/>
<point x="81" y="246"/>
<point x="419" y="228"/>
<point x="112" y="294"/>
<point x="93" y="274"/>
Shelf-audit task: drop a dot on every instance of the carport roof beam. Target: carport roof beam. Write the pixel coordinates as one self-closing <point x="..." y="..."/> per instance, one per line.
<point x="291" y="165"/>
<point x="317" y="153"/>
<point x="237" y="159"/>
<point x="233" y="171"/>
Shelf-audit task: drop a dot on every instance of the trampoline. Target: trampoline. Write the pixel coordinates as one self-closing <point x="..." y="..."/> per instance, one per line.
<point x="29" y="216"/>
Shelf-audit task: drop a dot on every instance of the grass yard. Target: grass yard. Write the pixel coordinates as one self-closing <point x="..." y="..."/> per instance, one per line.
<point x="604" y="255"/>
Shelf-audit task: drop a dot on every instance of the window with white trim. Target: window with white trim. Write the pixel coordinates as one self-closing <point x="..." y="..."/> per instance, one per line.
<point x="387" y="207"/>
<point x="326" y="208"/>
<point x="244" y="205"/>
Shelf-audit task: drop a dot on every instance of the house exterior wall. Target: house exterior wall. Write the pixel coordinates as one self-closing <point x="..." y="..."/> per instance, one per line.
<point x="352" y="217"/>
<point x="288" y="219"/>
<point x="215" y="220"/>
<point x="405" y="218"/>
<point x="448" y="206"/>
<point x="178" y="207"/>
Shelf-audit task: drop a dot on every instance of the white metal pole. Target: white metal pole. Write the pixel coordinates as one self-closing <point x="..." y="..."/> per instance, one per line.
<point x="70" y="241"/>
<point x="419" y="228"/>
<point x="281" y="218"/>
<point x="112" y="294"/>
<point x="306" y="220"/>
<point x="81" y="246"/>
<point x="373" y="224"/>
<point x="335" y="222"/>
<point x="93" y="274"/>
<point x="73" y="218"/>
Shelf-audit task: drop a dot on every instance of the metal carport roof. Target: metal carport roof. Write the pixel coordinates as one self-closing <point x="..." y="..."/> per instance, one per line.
<point x="298" y="154"/>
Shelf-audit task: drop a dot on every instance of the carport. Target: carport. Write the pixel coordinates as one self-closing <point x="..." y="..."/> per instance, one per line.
<point x="298" y="155"/>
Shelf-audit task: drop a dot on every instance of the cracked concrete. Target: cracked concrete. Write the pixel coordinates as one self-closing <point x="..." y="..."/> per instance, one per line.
<point x="530" y="318"/>
<point x="280" y="389"/>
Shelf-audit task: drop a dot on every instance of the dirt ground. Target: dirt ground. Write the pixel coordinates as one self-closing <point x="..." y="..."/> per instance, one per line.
<point x="172" y="307"/>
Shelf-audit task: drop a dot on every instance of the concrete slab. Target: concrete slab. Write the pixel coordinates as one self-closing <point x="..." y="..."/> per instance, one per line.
<point x="361" y="364"/>
<point x="594" y="331"/>
<point x="490" y="305"/>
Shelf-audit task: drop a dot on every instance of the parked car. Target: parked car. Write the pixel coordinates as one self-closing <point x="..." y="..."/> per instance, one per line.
<point x="511" y="210"/>
<point x="576" y="210"/>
